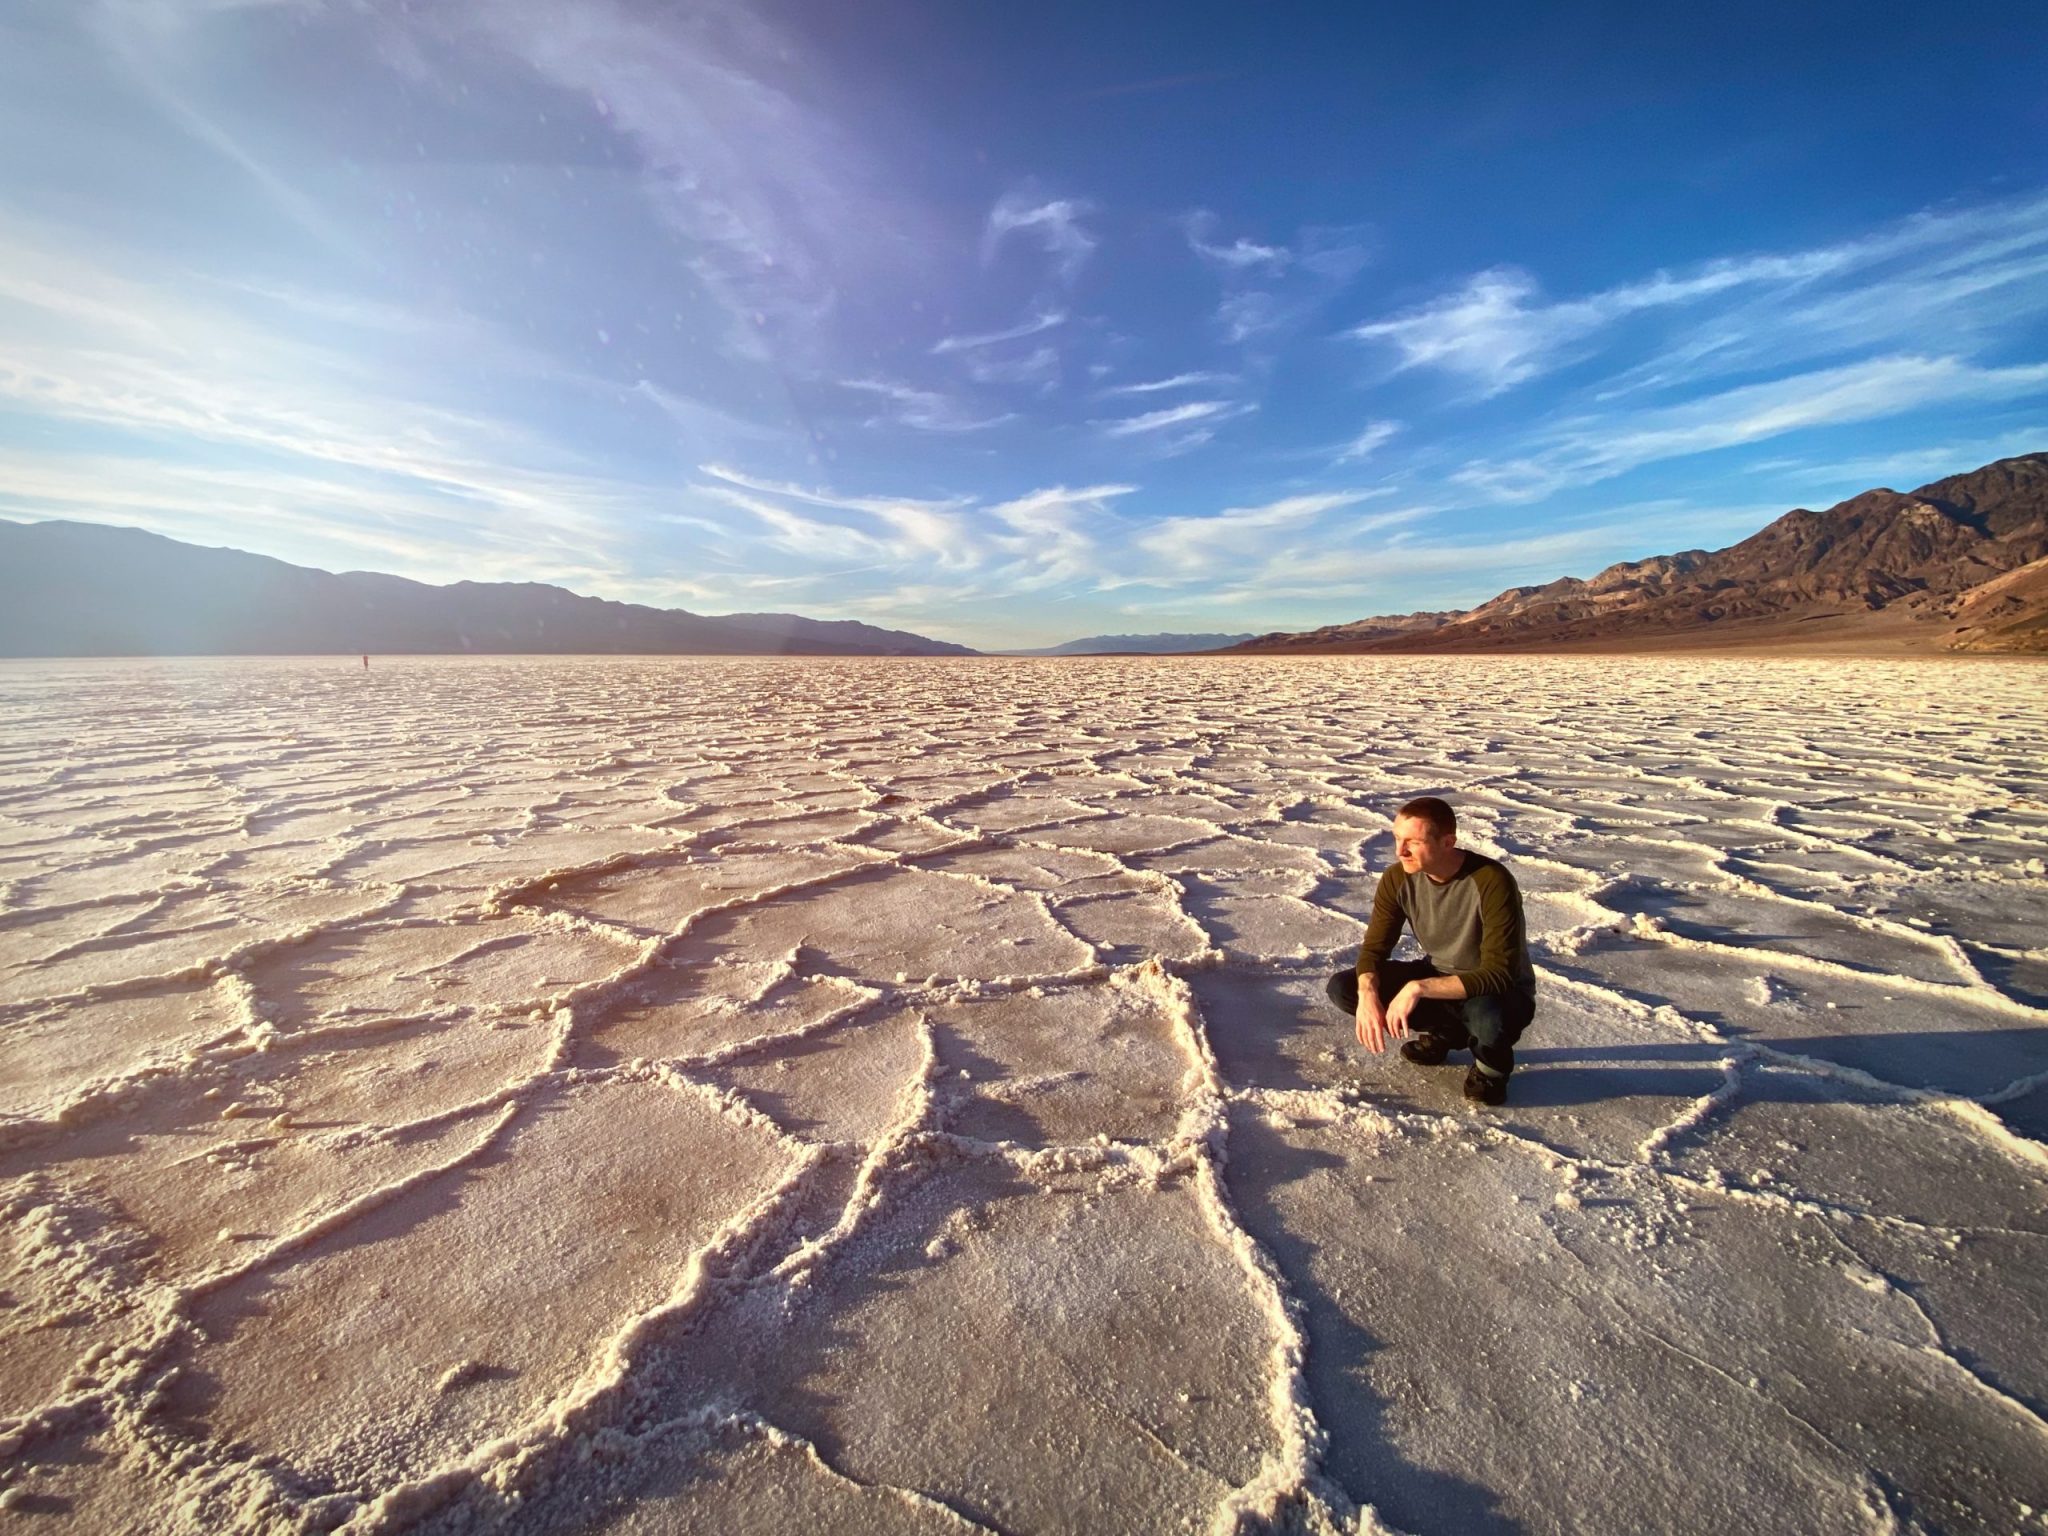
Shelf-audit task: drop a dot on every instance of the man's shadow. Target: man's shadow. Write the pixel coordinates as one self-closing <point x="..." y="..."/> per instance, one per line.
<point x="1362" y="1458"/>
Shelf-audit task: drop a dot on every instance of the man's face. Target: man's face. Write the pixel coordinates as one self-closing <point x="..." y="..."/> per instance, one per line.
<point x="1420" y="850"/>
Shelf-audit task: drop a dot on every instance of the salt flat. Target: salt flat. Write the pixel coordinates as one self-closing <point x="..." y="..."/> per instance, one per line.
<point x="896" y="1095"/>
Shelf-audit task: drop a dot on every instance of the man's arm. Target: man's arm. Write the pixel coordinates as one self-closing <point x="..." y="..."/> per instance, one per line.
<point x="1449" y="988"/>
<point x="1501" y="936"/>
<point x="1382" y="933"/>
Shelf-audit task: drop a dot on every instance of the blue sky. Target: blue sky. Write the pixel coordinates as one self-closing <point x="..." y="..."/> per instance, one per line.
<point x="1010" y="324"/>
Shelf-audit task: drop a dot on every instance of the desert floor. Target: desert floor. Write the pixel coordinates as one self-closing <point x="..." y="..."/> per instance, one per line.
<point x="897" y="1095"/>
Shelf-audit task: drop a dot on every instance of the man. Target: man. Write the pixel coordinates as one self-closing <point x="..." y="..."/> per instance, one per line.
<point x="1476" y="990"/>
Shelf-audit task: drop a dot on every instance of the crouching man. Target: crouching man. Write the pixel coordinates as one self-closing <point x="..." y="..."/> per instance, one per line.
<point x="1476" y="990"/>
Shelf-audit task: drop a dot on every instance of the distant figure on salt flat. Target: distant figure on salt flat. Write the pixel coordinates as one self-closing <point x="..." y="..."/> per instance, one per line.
<point x="366" y="663"/>
<point x="1476" y="990"/>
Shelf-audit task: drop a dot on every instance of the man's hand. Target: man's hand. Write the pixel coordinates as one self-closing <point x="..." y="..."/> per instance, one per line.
<point x="1376" y="1024"/>
<point x="1402" y="1006"/>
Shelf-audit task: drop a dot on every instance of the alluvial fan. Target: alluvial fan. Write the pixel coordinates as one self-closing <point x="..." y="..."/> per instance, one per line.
<point x="657" y="1095"/>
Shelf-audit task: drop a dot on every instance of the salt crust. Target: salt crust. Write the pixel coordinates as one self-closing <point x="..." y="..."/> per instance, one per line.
<point x="864" y="1095"/>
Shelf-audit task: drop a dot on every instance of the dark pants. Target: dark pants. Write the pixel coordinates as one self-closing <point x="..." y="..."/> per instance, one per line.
<point x="1486" y="1026"/>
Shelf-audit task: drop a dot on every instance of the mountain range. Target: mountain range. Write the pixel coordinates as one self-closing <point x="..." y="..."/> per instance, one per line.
<point x="1140" y="645"/>
<point x="1960" y="564"/>
<point x="84" y="589"/>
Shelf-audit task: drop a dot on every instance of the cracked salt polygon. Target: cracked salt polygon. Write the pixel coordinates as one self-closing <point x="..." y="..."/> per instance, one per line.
<point x="873" y="926"/>
<point x="843" y="1086"/>
<point x="632" y="1177"/>
<point x="737" y="1477"/>
<point x="52" y="1054"/>
<point x="1054" y="1419"/>
<point x="1062" y="1067"/>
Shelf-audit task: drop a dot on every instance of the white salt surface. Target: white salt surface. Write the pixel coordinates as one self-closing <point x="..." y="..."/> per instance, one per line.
<point x="660" y="1096"/>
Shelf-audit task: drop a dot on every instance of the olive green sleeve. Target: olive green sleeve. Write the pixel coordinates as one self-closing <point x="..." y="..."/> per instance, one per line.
<point x="1384" y="931"/>
<point x="1501" y="935"/>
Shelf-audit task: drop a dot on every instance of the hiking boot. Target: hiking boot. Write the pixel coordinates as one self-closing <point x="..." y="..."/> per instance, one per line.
<point x="1425" y="1050"/>
<point x="1484" y="1087"/>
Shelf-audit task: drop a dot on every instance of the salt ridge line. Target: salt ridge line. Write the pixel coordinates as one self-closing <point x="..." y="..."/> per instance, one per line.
<point x="1291" y="1472"/>
<point x="502" y="1471"/>
<point x="1975" y="1114"/>
<point x="1880" y="1507"/>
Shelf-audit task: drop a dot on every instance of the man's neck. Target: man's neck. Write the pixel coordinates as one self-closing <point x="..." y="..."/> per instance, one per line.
<point x="1456" y="870"/>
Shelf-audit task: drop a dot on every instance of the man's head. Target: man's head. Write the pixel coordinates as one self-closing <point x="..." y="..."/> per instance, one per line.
<point x="1426" y="838"/>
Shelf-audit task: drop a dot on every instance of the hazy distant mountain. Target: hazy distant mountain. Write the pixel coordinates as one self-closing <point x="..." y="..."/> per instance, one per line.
<point x="1961" y="564"/>
<point x="82" y="589"/>
<point x="1146" y="645"/>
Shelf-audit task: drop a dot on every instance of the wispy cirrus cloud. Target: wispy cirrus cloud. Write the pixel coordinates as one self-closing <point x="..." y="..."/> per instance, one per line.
<point x="771" y="193"/>
<point x="1375" y="436"/>
<point x="1044" y="320"/>
<point x="1185" y="547"/>
<point x="1971" y="269"/>
<point x="1269" y="290"/>
<point x="1586" y="448"/>
<point x="1040" y="368"/>
<point x="1241" y="255"/>
<point x="926" y="410"/>
<point x="1196" y="380"/>
<point x="1191" y="413"/>
<point x="137" y="373"/>
<point x="1497" y="332"/>
<point x="1047" y="539"/>
<point x="1044" y="540"/>
<point x="1055" y="224"/>
<point x="896" y="531"/>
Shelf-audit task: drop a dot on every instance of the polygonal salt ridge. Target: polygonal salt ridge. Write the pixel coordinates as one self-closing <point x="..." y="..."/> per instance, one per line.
<point x="707" y="1014"/>
<point x="66" y="1064"/>
<point x="77" y="1286"/>
<point x="718" y="1469"/>
<point x="897" y="924"/>
<point x="965" y="1242"/>
<point x="1082" y="1065"/>
<point x="1022" y="864"/>
<point x="545" y="1385"/>
<point x="1921" y="1163"/>
<point x="840" y="1083"/>
<point x="415" y="969"/>
<point x="1221" y="851"/>
<point x="1662" y="1188"/>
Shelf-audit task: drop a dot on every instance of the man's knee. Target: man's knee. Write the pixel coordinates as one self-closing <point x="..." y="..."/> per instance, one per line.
<point x="1343" y="990"/>
<point x="1496" y="1019"/>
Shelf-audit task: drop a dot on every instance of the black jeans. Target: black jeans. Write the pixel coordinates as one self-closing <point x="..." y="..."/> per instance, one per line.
<point x="1487" y="1026"/>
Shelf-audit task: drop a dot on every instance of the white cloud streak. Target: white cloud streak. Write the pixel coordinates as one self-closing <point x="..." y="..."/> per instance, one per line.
<point x="81" y="345"/>
<point x="1045" y="320"/>
<point x="925" y="410"/>
<point x="1497" y="331"/>
<point x="1173" y="416"/>
<point x="914" y="532"/>
<point x="1055" y="224"/>
<point x="1585" y="449"/>
<point x="1186" y="547"/>
<point x="1049" y="545"/>
<point x="1176" y="381"/>
<point x="1377" y="435"/>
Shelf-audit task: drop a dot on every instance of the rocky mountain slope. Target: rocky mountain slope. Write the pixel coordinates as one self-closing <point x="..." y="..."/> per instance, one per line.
<point x="82" y="589"/>
<point x="1954" y="565"/>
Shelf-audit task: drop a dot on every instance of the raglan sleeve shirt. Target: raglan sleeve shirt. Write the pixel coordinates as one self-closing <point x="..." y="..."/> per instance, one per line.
<point x="1470" y="926"/>
<point x="1383" y="931"/>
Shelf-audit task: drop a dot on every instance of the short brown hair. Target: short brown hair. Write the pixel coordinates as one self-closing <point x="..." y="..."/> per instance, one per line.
<point x="1443" y="821"/>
